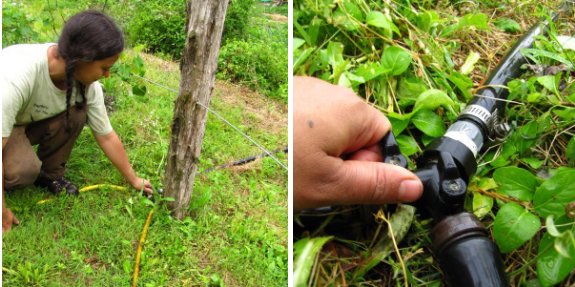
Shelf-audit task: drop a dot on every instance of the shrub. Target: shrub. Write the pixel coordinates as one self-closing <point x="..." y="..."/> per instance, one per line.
<point x="237" y="19"/>
<point x="160" y="26"/>
<point x="16" y="25"/>
<point x="256" y="64"/>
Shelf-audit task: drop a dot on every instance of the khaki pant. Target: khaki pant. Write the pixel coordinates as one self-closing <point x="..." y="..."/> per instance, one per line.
<point x="22" y="165"/>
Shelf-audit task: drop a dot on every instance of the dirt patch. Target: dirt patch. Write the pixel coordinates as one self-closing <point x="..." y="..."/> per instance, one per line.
<point x="163" y="65"/>
<point x="277" y="17"/>
<point x="267" y="113"/>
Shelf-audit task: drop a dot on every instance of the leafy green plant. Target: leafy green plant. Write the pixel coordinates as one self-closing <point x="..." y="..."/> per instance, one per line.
<point x="419" y="62"/>
<point x="254" y="52"/>
<point x="130" y="69"/>
<point x="237" y="19"/>
<point x="256" y="65"/>
<point x="17" y="26"/>
<point x="159" y="26"/>
<point x="28" y="275"/>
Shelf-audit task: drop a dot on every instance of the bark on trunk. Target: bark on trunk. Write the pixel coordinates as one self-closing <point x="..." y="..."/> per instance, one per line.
<point x="198" y="66"/>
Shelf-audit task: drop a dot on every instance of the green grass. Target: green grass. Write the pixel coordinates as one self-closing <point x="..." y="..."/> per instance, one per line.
<point x="239" y="217"/>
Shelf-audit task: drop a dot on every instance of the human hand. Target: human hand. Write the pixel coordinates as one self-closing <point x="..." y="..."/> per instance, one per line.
<point x="336" y="156"/>
<point x="143" y="184"/>
<point x="8" y="219"/>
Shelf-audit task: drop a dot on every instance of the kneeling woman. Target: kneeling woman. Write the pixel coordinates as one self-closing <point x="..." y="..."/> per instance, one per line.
<point x="49" y="92"/>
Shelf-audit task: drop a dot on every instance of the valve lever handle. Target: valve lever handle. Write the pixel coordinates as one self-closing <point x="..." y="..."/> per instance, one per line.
<point x="390" y="150"/>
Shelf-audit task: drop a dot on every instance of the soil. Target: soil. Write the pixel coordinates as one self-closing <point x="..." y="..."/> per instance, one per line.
<point x="277" y="17"/>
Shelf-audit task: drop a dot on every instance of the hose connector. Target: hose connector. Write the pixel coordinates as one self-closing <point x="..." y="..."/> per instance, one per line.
<point x="466" y="254"/>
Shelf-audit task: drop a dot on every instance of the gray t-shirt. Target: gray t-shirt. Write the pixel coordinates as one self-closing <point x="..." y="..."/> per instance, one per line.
<point x="29" y="95"/>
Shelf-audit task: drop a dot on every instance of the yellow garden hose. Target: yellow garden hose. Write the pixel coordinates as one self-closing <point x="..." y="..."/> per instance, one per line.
<point x="88" y="188"/>
<point x="140" y="246"/>
<point x="142" y="236"/>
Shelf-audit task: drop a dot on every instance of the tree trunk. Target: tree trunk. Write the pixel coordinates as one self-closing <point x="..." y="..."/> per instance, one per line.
<point x="205" y="23"/>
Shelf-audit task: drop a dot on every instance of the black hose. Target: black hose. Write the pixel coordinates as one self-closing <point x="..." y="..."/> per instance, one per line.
<point x="245" y="160"/>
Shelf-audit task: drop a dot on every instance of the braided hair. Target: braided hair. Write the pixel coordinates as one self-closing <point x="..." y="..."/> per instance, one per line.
<point x="87" y="36"/>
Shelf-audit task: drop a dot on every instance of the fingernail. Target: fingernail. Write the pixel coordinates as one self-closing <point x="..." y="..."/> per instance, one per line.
<point x="409" y="190"/>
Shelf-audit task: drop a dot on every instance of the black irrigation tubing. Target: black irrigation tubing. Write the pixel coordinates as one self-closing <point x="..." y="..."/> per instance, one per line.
<point x="244" y="160"/>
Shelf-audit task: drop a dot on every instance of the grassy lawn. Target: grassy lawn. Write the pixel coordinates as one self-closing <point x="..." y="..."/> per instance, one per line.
<point x="237" y="232"/>
<point x="239" y="215"/>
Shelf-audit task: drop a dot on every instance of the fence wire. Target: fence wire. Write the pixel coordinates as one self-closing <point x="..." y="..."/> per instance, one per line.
<point x="222" y="119"/>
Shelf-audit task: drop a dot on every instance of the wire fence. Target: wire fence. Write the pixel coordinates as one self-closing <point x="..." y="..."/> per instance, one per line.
<point x="266" y="151"/>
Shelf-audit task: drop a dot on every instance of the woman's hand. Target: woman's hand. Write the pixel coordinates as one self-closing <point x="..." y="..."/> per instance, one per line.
<point x="142" y="184"/>
<point x="8" y="219"/>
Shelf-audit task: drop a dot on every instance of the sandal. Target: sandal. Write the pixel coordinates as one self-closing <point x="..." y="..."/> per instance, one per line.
<point x="55" y="186"/>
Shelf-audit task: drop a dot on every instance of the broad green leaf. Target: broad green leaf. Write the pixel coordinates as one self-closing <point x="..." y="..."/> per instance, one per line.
<point x="377" y="19"/>
<point x="565" y="113"/>
<point x="477" y="21"/>
<point x="486" y="183"/>
<point x="139" y="90"/>
<point x="349" y="16"/>
<point x="398" y="122"/>
<point x="380" y="20"/>
<point x="305" y="251"/>
<point x="555" y="193"/>
<point x="534" y="97"/>
<point x="336" y="61"/>
<point x="482" y="204"/>
<point x="515" y="182"/>
<point x="407" y="144"/>
<point x="369" y="70"/>
<point x="395" y="60"/>
<point x="514" y="226"/>
<point x="570" y="152"/>
<point x="549" y="83"/>
<point x="507" y="25"/>
<point x="409" y="89"/>
<point x="427" y="20"/>
<point x="467" y="67"/>
<point x="535" y="163"/>
<point x="552" y="267"/>
<point x="400" y="223"/>
<point x="429" y="123"/>
<point x="353" y="79"/>
<point x="462" y="82"/>
<point x="432" y="99"/>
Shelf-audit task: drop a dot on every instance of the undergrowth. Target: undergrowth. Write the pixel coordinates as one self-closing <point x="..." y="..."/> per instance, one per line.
<point x="420" y="62"/>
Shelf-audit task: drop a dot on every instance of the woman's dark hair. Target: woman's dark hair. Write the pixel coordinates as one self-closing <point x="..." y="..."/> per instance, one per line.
<point x="87" y="36"/>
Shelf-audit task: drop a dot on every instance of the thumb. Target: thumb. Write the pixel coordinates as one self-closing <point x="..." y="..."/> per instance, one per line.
<point x="15" y="220"/>
<point x="363" y="182"/>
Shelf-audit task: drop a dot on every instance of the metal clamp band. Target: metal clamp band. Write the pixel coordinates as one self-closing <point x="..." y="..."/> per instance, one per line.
<point x="478" y="111"/>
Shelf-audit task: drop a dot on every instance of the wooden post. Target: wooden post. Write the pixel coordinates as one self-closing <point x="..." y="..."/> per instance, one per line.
<point x="205" y="22"/>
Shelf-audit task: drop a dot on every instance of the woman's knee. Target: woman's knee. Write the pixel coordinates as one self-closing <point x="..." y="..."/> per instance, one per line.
<point x="21" y="174"/>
